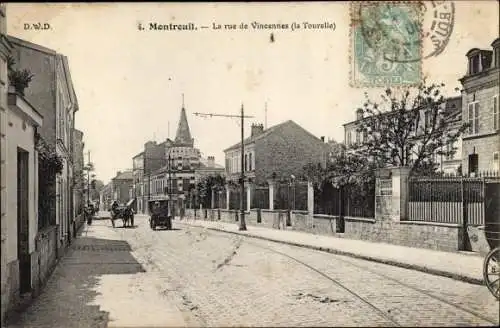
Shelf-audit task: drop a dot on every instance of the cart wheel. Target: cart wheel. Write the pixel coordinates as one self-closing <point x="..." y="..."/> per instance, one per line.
<point x="491" y="272"/>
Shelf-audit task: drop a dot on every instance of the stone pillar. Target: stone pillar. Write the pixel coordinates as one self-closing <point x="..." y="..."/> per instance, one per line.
<point x="391" y="194"/>
<point x="249" y="196"/>
<point x="212" y="200"/>
<point x="400" y="188"/>
<point x="228" y="194"/>
<point x="310" y="202"/>
<point x="271" y="194"/>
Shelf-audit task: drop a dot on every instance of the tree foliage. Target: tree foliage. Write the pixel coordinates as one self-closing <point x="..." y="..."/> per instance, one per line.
<point x="19" y="79"/>
<point x="49" y="165"/>
<point x="206" y="185"/>
<point x="343" y="168"/>
<point x="408" y="128"/>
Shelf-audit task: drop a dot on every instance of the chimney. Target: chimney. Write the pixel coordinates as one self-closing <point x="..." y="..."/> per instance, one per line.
<point x="211" y="161"/>
<point x="359" y="114"/>
<point x="257" y="129"/>
<point x="118" y="173"/>
<point x="322" y="139"/>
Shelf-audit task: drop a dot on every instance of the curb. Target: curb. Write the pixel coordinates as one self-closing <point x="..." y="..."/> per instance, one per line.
<point x="330" y="250"/>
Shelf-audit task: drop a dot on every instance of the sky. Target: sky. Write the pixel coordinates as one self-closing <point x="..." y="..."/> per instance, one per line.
<point x="129" y="82"/>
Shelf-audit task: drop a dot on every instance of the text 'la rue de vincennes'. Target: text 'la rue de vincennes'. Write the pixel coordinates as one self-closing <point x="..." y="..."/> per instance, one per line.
<point x="305" y="25"/>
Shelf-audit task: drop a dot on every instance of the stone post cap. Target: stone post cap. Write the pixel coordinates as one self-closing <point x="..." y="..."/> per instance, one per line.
<point x="271" y="182"/>
<point x="401" y="170"/>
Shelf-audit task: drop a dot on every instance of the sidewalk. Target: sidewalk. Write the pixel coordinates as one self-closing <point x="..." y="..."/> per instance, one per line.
<point x="100" y="283"/>
<point x="457" y="266"/>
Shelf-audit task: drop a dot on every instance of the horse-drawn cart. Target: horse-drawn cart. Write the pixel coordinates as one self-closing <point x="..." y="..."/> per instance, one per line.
<point x="491" y="267"/>
<point x="124" y="212"/>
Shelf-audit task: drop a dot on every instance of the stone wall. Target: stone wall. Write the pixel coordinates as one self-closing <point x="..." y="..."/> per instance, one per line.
<point x="10" y="288"/>
<point x="46" y="249"/>
<point x="437" y="236"/>
<point x="477" y="238"/>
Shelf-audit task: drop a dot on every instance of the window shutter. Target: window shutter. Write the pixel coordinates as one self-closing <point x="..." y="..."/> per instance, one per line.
<point x="476" y="118"/>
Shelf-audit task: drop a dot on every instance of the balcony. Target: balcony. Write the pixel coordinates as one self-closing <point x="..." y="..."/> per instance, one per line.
<point x="19" y="105"/>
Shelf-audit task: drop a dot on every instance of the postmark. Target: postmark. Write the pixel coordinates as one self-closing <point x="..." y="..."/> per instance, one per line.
<point x="385" y="44"/>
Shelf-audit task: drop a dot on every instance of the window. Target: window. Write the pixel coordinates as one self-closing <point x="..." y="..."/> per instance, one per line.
<point x="427" y="119"/>
<point x="358" y="136"/>
<point x="496" y="161"/>
<point x="450" y="150"/>
<point x="348" y="137"/>
<point x="473" y="118"/>
<point x="250" y="161"/>
<point x="246" y="162"/>
<point x="496" y="117"/>
<point x="474" y="64"/>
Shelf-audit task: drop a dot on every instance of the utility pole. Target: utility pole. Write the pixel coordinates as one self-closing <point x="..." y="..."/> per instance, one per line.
<point x="88" y="178"/>
<point x="242" y="176"/>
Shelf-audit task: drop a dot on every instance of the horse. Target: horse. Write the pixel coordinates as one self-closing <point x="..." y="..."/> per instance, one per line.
<point x="124" y="213"/>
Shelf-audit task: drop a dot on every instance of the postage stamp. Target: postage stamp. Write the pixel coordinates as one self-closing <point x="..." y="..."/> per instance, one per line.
<point x="386" y="47"/>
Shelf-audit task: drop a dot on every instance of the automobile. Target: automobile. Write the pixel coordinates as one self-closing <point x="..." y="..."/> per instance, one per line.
<point x="160" y="216"/>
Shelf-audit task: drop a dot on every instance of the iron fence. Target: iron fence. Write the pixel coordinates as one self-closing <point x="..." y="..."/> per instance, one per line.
<point x="351" y="200"/>
<point x="260" y="198"/>
<point x="220" y="199"/>
<point x="292" y="196"/>
<point x="234" y="199"/>
<point x="456" y="200"/>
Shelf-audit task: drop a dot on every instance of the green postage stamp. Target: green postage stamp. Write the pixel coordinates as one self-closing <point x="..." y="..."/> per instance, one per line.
<point x="386" y="44"/>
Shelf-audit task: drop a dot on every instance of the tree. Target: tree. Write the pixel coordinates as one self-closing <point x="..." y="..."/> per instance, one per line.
<point x="408" y="128"/>
<point x="49" y="165"/>
<point x="206" y="185"/>
<point x="343" y="168"/>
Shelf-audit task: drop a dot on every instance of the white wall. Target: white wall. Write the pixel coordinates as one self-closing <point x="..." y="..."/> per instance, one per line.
<point x="17" y="137"/>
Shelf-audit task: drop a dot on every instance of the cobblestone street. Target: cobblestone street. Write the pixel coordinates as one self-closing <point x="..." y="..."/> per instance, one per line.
<point x="195" y="277"/>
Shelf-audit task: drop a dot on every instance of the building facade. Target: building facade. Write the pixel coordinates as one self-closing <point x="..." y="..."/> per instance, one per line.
<point x="51" y="92"/>
<point x="105" y="197"/>
<point x="481" y="105"/>
<point x="138" y="183"/>
<point x="452" y="114"/>
<point x="78" y="163"/>
<point x="280" y="151"/>
<point x="19" y="122"/>
<point x="121" y="186"/>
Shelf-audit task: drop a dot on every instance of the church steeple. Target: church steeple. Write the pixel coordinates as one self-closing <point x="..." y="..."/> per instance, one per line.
<point x="183" y="135"/>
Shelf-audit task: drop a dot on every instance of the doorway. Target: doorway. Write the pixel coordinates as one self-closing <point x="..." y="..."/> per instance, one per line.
<point x="473" y="164"/>
<point x="23" y="221"/>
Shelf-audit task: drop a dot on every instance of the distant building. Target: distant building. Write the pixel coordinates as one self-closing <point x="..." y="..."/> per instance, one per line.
<point x="183" y="168"/>
<point x="138" y="182"/>
<point x="452" y="114"/>
<point x="78" y="163"/>
<point x="480" y="99"/>
<point x="106" y="197"/>
<point x="208" y="167"/>
<point x="121" y="185"/>
<point x="280" y="151"/>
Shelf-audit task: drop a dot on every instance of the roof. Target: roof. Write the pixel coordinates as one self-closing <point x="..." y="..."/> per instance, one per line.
<point x="140" y="154"/>
<point x="69" y="81"/>
<point x="269" y="131"/>
<point x="204" y="165"/>
<point x="27" y="44"/>
<point x="183" y="135"/>
<point x="127" y="175"/>
<point x="452" y="104"/>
